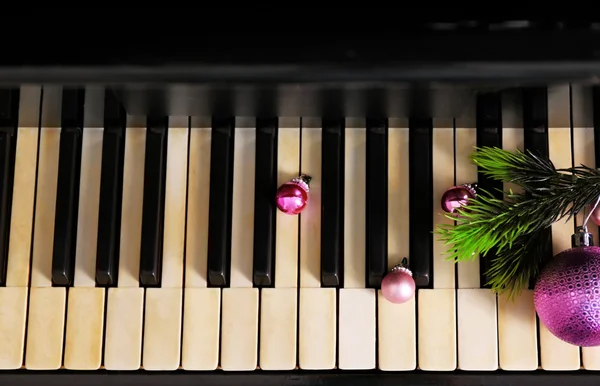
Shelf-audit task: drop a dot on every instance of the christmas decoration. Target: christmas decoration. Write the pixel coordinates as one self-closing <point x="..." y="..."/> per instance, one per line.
<point x="292" y="197"/>
<point x="457" y="197"/>
<point x="567" y="293"/>
<point x="398" y="286"/>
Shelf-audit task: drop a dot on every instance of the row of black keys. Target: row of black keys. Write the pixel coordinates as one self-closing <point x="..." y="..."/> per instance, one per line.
<point x="489" y="133"/>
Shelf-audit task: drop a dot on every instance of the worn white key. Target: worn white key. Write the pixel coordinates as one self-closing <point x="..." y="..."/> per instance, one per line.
<point x="356" y="331"/>
<point x="317" y="311"/>
<point x="476" y="307"/>
<point x="163" y="306"/>
<point x="279" y="309"/>
<point x="45" y="327"/>
<point x="584" y="154"/>
<point x="239" y="323"/>
<point x="517" y="322"/>
<point x="13" y="297"/>
<point x="397" y="345"/>
<point x="202" y="305"/>
<point x="85" y="311"/>
<point x="555" y="353"/>
<point x="436" y="307"/>
<point x="125" y="303"/>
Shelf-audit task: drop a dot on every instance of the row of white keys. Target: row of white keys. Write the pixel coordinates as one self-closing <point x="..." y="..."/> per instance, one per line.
<point x="517" y="323"/>
<point x="13" y="297"/>
<point x="476" y="306"/>
<point x="397" y="343"/>
<point x="584" y="153"/>
<point x="437" y="306"/>
<point x="317" y="311"/>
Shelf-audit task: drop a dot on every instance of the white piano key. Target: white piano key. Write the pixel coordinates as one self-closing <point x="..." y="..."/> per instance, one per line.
<point x="397" y="341"/>
<point x="125" y="303"/>
<point x="279" y="312"/>
<point x="436" y="307"/>
<point x="45" y="327"/>
<point x="476" y="307"/>
<point x="317" y="311"/>
<point x="202" y="305"/>
<point x="239" y="326"/>
<point x="555" y="353"/>
<point x="163" y="306"/>
<point x="357" y="313"/>
<point x="85" y="311"/>
<point x="13" y="297"/>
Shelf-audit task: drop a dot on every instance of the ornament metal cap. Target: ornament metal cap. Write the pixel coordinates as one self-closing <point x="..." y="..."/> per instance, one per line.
<point x="403" y="266"/>
<point x="582" y="238"/>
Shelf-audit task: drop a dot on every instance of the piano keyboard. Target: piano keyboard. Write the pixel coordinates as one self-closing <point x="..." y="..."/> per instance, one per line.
<point x="153" y="243"/>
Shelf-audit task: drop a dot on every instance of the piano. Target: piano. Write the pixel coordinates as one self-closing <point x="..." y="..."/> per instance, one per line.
<point x="139" y="238"/>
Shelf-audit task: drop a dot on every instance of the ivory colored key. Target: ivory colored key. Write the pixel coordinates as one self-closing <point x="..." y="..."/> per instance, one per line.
<point x="437" y="306"/>
<point x="239" y="325"/>
<point x="517" y="323"/>
<point x="202" y="305"/>
<point x="555" y="353"/>
<point x="163" y="307"/>
<point x="476" y="307"/>
<point x="279" y="308"/>
<point x="125" y="303"/>
<point x="357" y="313"/>
<point x="397" y="322"/>
<point x="584" y="153"/>
<point x="317" y="310"/>
<point x="85" y="311"/>
<point x="13" y="297"/>
<point x="45" y="326"/>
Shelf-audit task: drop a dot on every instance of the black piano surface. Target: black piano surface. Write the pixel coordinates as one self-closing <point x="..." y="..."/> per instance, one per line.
<point x="427" y="69"/>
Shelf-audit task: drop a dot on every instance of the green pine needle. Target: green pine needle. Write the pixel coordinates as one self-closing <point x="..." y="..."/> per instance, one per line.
<point x="513" y="227"/>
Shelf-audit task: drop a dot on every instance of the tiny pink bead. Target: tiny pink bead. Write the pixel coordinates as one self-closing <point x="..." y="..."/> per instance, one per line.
<point x="398" y="287"/>
<point x="291" y="198"/>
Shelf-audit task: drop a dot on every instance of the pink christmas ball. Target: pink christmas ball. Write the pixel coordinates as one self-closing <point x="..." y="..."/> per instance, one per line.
<point x="398" y="286"/>
<point x="291" y="198"/>
<point x="456" y="197"/>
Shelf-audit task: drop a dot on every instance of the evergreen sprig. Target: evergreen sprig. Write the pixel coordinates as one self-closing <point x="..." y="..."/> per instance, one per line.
<point x="514" y="226"/>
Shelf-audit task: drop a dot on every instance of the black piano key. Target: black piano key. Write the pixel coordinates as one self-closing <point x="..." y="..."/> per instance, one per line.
<point x="155" y="169"/>
<point x="332" y="202"/>
<point x="111" y="191"/>
<point x="264" y="204"/>
<point x="220" y="205"/>
<point x="67" y="195"/>
<point x="377" y="201"/>
<point x="489" y="134"/>
<point x="9" y="116"/>
<point x="535" y="127"/>
<point x="420" y="149"/>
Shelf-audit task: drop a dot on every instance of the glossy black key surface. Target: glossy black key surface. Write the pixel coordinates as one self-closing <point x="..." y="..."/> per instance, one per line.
<point x="155" y="170"/>
<point x="9" y="117"/>
<point x="111" y="192"/>
<point x="420" y="159"/>
<point x="377" y="201"/>
<point x="332" y="203"/>
<point x="489" y="134"/>
<point x="67" y="194"/>
<point x="264" y="202"/>
<point x="535" y="125"/>
<point x="220" y="201"/>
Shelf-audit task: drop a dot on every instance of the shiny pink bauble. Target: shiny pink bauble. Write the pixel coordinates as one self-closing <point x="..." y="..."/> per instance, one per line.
<point x="456" y="197"/>
<point x="291" y="198"/>
<point x="398" y="286"/>
<point x="595" y="217"/>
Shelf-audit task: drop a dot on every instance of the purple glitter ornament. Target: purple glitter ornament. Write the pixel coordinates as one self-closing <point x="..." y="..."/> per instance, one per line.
<point x="567" y="295"/>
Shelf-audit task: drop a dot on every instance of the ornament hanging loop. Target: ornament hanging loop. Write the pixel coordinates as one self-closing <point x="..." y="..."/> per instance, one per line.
<point x="582" y="238"/>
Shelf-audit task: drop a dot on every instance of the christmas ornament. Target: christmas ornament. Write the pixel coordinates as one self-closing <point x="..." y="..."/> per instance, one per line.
<point x="595" y="214"/>
<point x="457" y="197"/>
<point x="567" y="293"/>
<point x="292" y="196"/>
<point x="398" y="286"/>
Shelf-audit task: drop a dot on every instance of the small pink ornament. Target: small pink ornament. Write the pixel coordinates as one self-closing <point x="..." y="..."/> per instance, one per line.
<point x="595" y="216"/>
<point x="457" y="197"/>
<point x="292" y="197"/>
<point x="398" y="286"/>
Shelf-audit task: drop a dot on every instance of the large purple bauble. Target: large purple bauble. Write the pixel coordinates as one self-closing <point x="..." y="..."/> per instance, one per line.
<point x="567" y="296"/>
